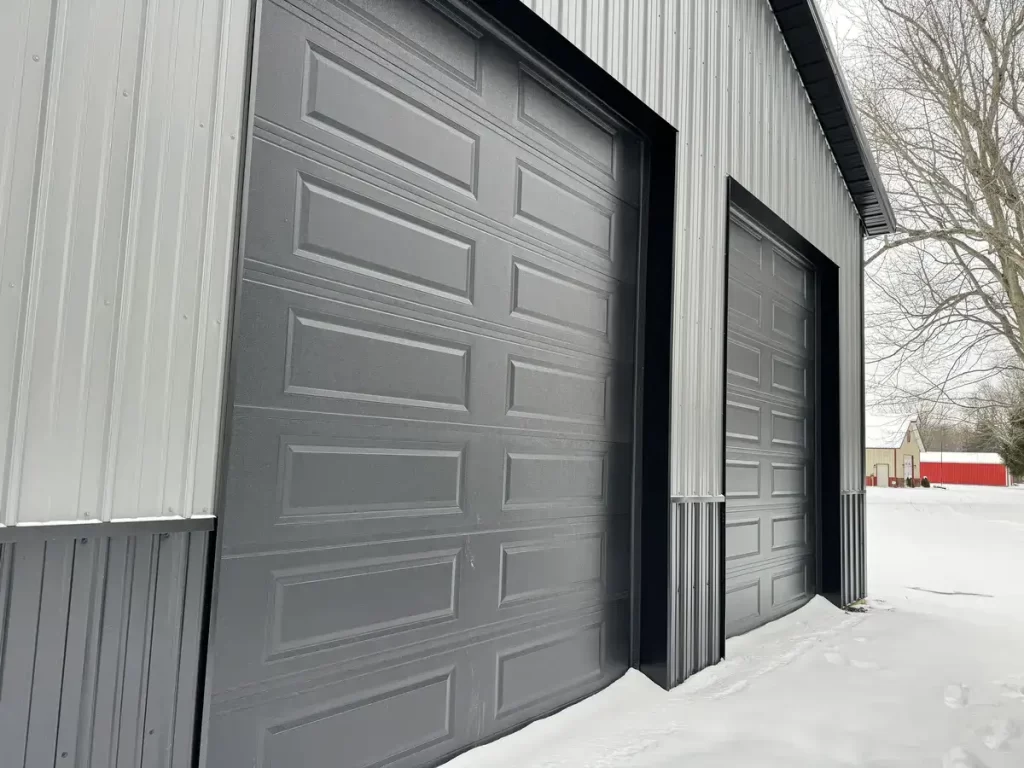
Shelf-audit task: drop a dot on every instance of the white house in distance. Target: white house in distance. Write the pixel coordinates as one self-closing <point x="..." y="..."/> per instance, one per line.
<point x="893" y="449"/>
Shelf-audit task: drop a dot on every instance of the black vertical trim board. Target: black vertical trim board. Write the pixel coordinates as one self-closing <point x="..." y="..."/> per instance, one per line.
<point x="827" y="450"/>
<point x="657" y="398"/>
<point x="730" y="184"/>
<point x="830" y="554"/>
<point x="861" y="483"/>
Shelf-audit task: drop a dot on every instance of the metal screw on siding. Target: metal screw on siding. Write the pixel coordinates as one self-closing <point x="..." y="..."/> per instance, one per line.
<point x="35" y="57"/>
<point x="151" y="731"/>
<point x="64" y="755"/>
<point x="124" y="93"/>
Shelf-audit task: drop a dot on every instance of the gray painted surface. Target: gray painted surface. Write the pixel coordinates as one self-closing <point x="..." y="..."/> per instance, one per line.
<point x="426" y="532"/>
<point x="700" y="586"/>
<point x="853" y="539"/>
<point x="100" y="650"/>
<point x="770" y="405"/>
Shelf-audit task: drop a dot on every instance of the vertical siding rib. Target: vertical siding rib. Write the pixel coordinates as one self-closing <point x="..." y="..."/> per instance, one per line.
<point x="99" y="650"/>
<point x="118" y="164"/>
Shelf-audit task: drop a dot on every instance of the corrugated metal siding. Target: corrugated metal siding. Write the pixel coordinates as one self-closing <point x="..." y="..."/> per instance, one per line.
<point x="720" y="73"/>
<point x="119" y="139"/>
<point x="853" y="543"/>
<point x="700" y="586"/>
<point x="100" y="650"/>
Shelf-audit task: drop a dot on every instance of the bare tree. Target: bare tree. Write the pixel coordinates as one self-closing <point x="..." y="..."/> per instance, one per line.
<point x="1001" y="426"/>
<point x="940" y="87"/>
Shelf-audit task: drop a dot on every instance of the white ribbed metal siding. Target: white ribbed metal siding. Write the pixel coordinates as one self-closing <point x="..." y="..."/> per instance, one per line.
<point x="720" y="72"/>
<point x="119" y="152"/>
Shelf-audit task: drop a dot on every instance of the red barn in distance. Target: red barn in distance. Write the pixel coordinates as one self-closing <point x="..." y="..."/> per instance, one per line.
<point x="956" y="468"/>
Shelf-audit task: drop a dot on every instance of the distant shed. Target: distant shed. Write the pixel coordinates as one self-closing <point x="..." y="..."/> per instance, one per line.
<point x="959" y="468"/>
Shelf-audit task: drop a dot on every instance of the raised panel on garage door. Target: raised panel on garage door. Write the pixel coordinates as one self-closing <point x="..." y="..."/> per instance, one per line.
<point x="770" y="470"/>
<point x="427" y="516"/>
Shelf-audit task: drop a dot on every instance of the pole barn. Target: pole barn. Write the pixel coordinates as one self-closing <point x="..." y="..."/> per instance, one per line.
<point x="948" y="468"/>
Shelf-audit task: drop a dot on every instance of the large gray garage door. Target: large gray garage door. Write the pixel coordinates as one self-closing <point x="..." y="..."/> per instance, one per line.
<point x="770" y="473"/>
<point x="426" y="534"/>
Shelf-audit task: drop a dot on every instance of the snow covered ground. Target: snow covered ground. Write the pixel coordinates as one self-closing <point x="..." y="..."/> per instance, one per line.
<point x="932" y="674"/>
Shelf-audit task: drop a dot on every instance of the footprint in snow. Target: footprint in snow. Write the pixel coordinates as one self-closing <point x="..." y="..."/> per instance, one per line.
<point x="734" y="688"/>
<point x="832" y="657"/>
<point x="860" y="639"/>
<point x="958" y="757"/>
<point x="956" y="696"/>
<point x="1000" y="733"/>
<point x="1012" y="690"/>
<point x="867" y="666"/>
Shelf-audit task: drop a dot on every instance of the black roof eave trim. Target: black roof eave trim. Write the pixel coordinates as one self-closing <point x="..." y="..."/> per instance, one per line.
<point x="830" y="97"/>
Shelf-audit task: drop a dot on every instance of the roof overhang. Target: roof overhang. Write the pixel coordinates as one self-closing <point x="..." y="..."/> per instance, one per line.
<point x="818" y="65"/>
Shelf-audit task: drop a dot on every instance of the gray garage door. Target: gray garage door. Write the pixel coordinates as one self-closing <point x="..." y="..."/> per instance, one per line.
<point x="770" y="474"/>
<point x="426" y="534"/>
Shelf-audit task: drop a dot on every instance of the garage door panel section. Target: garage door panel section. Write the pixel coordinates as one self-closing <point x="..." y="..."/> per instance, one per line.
<point x="770" y="423"/>
<point x="754" y="597"/>
<point x="338" y="57"/>
<point x="404" y="716"/>
<point x="398" y="599"/>
<point x="415" y="713"/>
<point x="292" y="344"/>
<point x="309" y="477"/>
<point x="370" y="238"/>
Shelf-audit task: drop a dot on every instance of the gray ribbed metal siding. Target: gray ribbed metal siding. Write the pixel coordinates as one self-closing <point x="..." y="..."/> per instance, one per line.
<point x="715" y="69"/>
<point x="100" y="649"/>
<point x="119" y="157"/>
<point x="700" y="595"/>
<point x="853" y="541"/>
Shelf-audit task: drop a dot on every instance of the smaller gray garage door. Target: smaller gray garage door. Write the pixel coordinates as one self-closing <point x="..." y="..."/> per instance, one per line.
<point x="770" y="472"/>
